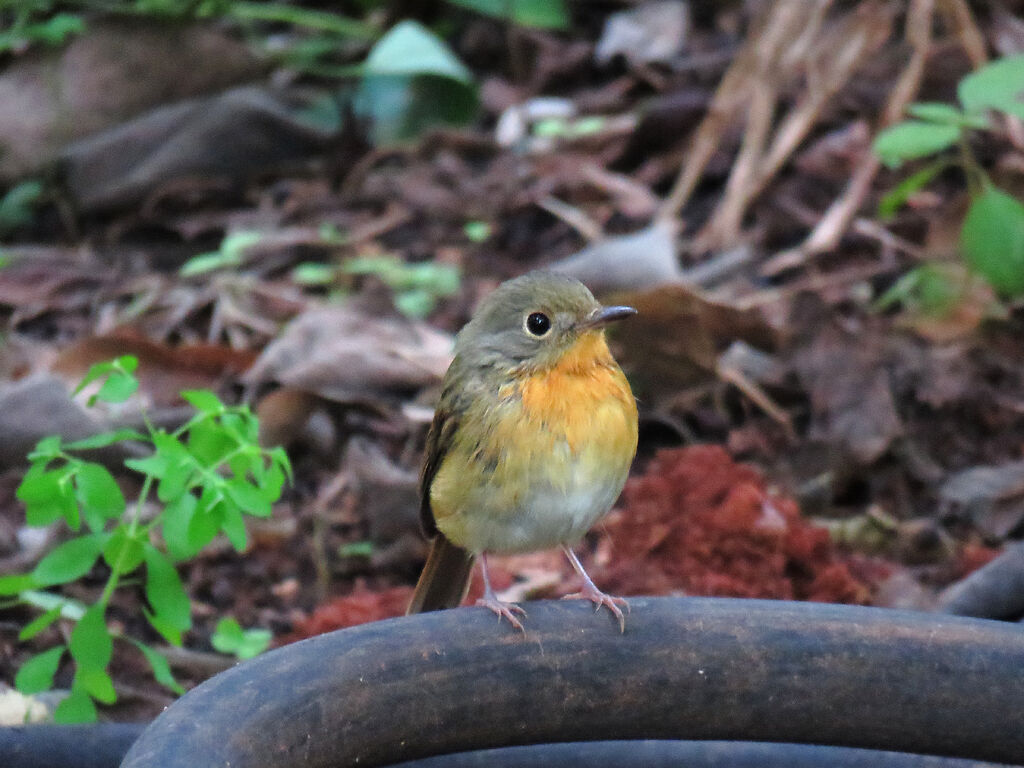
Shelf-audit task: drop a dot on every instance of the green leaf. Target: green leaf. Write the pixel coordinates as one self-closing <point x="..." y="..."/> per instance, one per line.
<point x="206" y="521"/>
<point x="48" y="497"/>
<point x="409" y="48"/>
<point x="203" y="400"/>
<point x="119" y="372"/>
<point x="992" y="239"/>
<point x="39" y="623"/>
<point x="16" y="206"/>
<point x="177" y="519"/>
<point x="161" y="669"/>
<point x="233" y="525"/>
<point x="164" y="591"/>
<point x="98" y="491"/>
<point x="171" y="634"/>
<point x="939" y="112"/>
<point x="912" y="139"/>
<point x="116" y="389"/>
<point x="16" y="583"/>
<point x="103" y="439"/>
<point x="998" y="85"/>
<point x="902" y="192"/>
<point x="545" y="14"/>
<point x="69" y="561"/>
<point x="47" y="448"/>
<point x="231" y="254"/>
<point x="209" y="443"/>
<point x="250" y="498"/>
<point x="228" y="637"/>
<point x="280" y="457"/>
<point x="155" y="465"/>
<point x="313" y="273"/>
<point x="411" y="81"/>
<point x="123" y="552"/>
<point x="936" y="112"/>
<point x="97" y="683"/>
<point x="91" y="645"/>
<point x="36" y="674"/>
<point x="76" y="708"/>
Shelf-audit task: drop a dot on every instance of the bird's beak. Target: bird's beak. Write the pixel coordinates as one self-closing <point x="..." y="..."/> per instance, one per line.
<point x="601" y="316"/>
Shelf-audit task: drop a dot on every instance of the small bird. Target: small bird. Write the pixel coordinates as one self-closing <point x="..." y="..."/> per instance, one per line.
<point x="531" y="441"/>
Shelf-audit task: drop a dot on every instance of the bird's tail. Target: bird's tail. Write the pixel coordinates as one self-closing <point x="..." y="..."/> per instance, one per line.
<point x="445" y="578"/>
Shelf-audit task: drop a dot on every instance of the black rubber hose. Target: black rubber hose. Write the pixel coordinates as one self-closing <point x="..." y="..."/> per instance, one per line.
<point x="691" y="754"/>
<point x="67" y="746"/>
<point x="686" y="668"/>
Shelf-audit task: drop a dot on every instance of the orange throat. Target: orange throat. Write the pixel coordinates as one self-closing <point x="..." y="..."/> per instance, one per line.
<point x="584" y="395"/>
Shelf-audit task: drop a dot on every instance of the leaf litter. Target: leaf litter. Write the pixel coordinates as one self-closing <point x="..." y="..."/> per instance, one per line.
<point x="719" y="177"/>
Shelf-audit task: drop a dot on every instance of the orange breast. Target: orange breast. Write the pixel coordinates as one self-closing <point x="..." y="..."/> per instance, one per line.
<point x="585" y="397"/>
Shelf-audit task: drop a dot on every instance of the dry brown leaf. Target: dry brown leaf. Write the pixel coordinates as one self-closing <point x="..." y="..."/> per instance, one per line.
<point x="353" y="351"/>
<point x="676" y="339"/>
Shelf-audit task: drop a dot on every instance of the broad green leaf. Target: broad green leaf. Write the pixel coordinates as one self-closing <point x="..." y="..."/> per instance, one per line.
<point x="233" y="525"/>
<point x="91" y="645"/>
<point x="48" y="496"/>
<point x="69" y="561"/>
<point x="164" y="591"/>
<point x="250" y="498"/>
<point x="120" y="369"/>
<point x="902" y="192"/>
<point x="76" y="708"/>
<point x="998" y="85"/>
<point x="98" y="491"/>
<point x="116" y="389"/>
<point x="912" y="139"/>
<point x="39" y="623"/>
<point x="229" y="637"/>
<point x="36" y="674"/>
<point x="97" y="684"/>
<point x="411" y="81"/>
<point x="16" y="583"/>
<point x="206" y="521"/>
<point x="155" y="465"/>
<point x="169" y="633"/>
<point x="409" y="48"/>
<point x="47" y="448"/>
<point x="103" y="439"/>
<point x="203" y="400"/>
<point x="209" y="443"/>
<point x="936" y="112"/>
<point x="161" y="669"/>
<point x="545" y="14"/>
<point x="280" y="457"/>
<point x="992" y="239"/>
<point x="123" y="552"/>
<point x="177" y="519"/>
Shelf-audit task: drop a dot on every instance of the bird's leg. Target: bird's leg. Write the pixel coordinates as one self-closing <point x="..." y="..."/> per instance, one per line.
<point x="592" y="593"/>
<point x="500" y="607"/>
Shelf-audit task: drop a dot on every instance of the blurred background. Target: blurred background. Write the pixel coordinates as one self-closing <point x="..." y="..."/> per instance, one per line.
<point x="815" y="205"/>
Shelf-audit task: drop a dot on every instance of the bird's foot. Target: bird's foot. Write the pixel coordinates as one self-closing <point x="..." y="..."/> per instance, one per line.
<point x="599" y="598"/>
<point x="500" y="607"/>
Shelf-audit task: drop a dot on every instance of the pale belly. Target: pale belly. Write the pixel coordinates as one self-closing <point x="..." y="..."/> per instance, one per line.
<point x="550" y="508"/>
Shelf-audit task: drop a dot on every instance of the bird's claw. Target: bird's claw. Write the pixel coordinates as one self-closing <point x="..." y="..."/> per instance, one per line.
<point x="508" y="610"/>
<point x="599" y="598"/>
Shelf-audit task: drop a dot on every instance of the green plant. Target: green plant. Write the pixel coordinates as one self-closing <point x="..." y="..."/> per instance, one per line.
<point x="417" y="287"/>
<point x="992" y="235"/>
<point x="229" y="637"/>
<point x="205" y="476"/>
<point x="17" y="204"/>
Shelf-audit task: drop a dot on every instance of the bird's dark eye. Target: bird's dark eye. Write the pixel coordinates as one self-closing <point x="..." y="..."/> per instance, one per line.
<point x="538" y="324"/>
